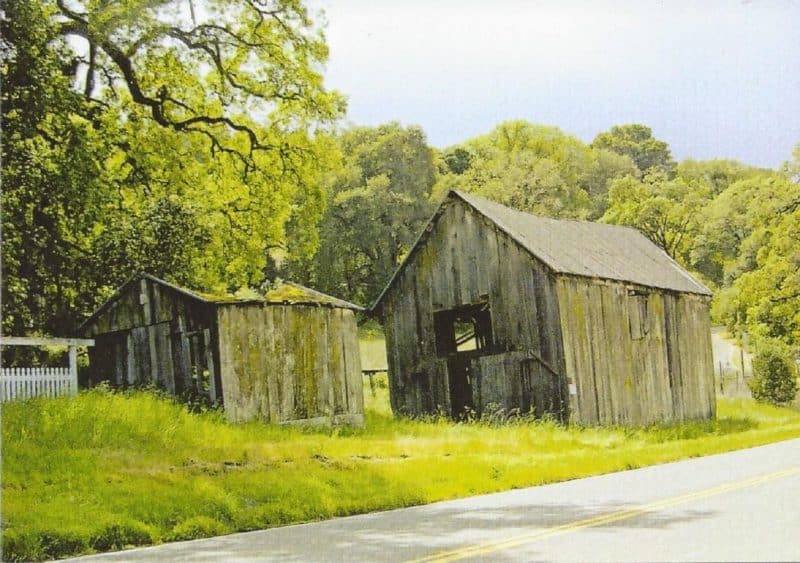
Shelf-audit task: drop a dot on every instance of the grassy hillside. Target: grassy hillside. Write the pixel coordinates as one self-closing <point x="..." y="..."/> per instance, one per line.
<point x="104" y="470"/>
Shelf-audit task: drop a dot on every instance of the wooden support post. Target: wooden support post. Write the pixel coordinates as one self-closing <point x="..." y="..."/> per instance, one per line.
<point x="73" y="370"/>
<point x="212" y="379"/>
<point x="741" y="356"/>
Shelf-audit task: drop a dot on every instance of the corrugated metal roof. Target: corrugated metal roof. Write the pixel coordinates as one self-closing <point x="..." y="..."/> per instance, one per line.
<point x="589" y="249"/>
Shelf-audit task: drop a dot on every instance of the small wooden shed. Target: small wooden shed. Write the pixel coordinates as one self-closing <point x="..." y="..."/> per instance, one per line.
<point x="290" y="355"/>
<point x="496" y="308"/>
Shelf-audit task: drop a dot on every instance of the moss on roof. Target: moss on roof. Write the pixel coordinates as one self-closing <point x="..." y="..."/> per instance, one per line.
<point x="217" y="297"/>
<point x="288" y="292"/>
<point x="283" y="292"/>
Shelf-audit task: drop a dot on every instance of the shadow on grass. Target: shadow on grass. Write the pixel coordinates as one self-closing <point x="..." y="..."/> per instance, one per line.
<point x="696" y="429"/>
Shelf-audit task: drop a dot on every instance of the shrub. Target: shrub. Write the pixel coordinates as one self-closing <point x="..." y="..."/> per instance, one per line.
<point x="22" y="547"/>
<point x="38" y="546"/>
<point x="57" y="544"/>
<point x="120" y="535"/>
<point x="773" y="380"/>
<point x="197" y="527"/>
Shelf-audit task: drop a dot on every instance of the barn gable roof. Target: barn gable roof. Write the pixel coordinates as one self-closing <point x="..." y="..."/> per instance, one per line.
<point x="578" y="248"/>
<point x="285" y="293"/>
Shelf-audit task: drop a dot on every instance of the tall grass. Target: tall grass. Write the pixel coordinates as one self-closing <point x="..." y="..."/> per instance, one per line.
<point x="108" y="470"/>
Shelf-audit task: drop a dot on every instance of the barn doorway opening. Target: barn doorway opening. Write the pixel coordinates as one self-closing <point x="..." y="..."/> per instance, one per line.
<point x="462" y="334"/>
<point x="466" y="330"/>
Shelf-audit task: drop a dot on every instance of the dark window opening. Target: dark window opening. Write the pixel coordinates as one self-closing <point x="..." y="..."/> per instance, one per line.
<point x="464" y="330"/>
<point x="638" y="320"/>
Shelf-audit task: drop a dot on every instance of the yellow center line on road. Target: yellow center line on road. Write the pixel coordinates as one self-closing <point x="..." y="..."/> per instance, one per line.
<point x="538" y="535"/>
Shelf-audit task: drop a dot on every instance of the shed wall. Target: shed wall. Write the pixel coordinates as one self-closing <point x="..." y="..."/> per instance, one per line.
<point x="290" y="363"/>
<point x="635" y="355"/>
<point x="465" y="260"/>
<point x="154" y="335"/>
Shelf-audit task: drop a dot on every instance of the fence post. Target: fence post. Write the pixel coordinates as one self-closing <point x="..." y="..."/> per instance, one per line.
<point x="73" y="370"/>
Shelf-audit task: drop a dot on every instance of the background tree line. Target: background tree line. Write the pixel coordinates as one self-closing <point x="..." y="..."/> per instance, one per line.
<point x="206" y="150"/>
<point x="736" y="227"/>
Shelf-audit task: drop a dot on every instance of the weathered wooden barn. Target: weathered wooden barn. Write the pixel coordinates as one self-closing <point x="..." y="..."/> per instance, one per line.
<point x="289" y="355"/>
<point x="496" y="308"/>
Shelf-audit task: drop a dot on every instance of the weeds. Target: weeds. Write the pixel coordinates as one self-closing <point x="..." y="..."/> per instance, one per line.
<point x="108" y="470"/>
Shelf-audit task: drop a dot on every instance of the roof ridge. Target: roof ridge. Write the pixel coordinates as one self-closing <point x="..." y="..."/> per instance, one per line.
<point x="587" y="249"/>
<point x="546" y="217"/>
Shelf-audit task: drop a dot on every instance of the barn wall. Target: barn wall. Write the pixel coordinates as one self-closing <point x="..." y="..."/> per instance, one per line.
<point x="153" y="334"/>
<point x="290" y="363"/>
<point x="466" y="260"/>
<point x="635" y="355"/>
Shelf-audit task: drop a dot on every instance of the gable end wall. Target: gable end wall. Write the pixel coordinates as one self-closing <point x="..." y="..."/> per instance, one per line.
<point x="466" y="259"/>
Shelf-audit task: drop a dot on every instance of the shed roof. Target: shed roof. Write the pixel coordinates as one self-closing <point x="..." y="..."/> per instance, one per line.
<point x="285" y="293"/>
<point x="580" y="248"/>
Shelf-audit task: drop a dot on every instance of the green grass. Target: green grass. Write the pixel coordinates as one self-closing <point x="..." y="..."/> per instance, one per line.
<point x="105" y="471"/>
<point x="372" y="347"/>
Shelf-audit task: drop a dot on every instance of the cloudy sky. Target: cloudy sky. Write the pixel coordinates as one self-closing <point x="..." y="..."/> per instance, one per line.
<point x="712" y="78"/>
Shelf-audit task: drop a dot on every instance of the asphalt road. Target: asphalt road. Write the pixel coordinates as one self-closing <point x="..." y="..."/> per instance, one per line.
<point x="740" y="506"/>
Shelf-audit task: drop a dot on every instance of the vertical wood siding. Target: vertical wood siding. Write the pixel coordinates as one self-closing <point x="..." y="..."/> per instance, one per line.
<point x="290" y="363"/>
<point x="467" y="260"/>
<point x="627" y="373"/>
<point x="631" y="354"/>
<point x="154" y="335"/>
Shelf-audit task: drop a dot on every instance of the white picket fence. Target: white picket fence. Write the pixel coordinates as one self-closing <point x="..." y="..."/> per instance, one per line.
<point x="24" y="383"/>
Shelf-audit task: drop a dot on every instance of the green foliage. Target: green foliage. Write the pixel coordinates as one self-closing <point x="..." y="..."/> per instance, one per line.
<point x="749" y="242"/>
<point x="733" y="225"/>
<point x="791" y="168"/>
<point x="637" y="142"/>
<point x="25" y="547"/>
<point x="54" y="185"/>
<point x="197" y="527"/>
<point x="774" y="377"/>
<point x="378" y="203"/>
<point x="190" y="148"/>
<point x="534" y="168"/>
<point x="665" y="210"/>
<point x="164" y="240"/>
<point x="458" y="160"/>
<point x="719" y="175"/>
<point x="120" y="535"/>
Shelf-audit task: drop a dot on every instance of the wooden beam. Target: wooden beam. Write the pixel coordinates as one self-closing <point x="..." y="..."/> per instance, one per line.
<point x="44" y="341"/>
<point x="73" y="370"/>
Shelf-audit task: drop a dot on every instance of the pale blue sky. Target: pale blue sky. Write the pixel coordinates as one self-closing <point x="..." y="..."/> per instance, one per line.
<point x="715" y="79"/>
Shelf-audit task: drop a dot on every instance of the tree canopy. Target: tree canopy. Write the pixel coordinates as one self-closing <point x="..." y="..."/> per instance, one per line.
<point x="665" y="210"/>
<point x="637" y="142"/>
<point x="535" y="168"/>
<point x="135" y="139"/>
<point x="379" y="200"/>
